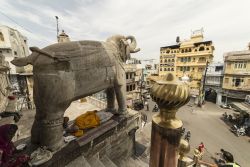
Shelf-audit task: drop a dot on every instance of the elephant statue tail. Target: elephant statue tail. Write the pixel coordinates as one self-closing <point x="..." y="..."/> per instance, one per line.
<point x="23" y="61"/>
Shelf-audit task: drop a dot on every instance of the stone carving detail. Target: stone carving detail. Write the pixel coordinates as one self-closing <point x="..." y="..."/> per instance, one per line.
<point x="65" y="72"/>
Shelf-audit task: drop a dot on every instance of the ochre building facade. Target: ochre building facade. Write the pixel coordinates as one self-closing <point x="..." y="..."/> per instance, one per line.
<point x="236" y="82"/>
<point x="187" y="58"/>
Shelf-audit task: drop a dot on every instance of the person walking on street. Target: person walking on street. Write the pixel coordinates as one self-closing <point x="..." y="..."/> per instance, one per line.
<point x="146" y="104"/>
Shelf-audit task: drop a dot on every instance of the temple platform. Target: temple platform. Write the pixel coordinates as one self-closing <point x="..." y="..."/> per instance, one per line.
<point x="113" y="140"/>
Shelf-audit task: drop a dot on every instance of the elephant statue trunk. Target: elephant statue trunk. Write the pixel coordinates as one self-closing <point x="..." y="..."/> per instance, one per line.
<point x="133" y="44"/>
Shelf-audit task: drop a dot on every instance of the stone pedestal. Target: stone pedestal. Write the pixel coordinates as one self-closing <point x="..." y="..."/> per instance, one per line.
<point x="169" y="94"/>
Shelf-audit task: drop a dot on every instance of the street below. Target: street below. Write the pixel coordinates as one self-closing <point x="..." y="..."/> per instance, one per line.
<point x="207" y="126"/>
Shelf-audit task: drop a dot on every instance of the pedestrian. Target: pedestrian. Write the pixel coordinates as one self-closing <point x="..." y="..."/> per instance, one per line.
<point x="228" y="160"/>
<point x="146" y="104"/>
<point x="196" y="158"/>
<point x="188" y="136"/>
<point x="8" y="156"/>
<point x="201" y="148"/>
<point x="144" y="119"/>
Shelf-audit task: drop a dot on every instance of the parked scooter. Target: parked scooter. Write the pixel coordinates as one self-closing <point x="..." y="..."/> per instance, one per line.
<point x="239" y="131"/>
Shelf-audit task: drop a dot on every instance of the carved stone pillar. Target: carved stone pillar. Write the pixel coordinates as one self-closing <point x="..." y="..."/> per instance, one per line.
<point x="170" y="94"/>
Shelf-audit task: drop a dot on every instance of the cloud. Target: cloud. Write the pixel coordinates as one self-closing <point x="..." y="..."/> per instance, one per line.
<point x="153" y="23"/>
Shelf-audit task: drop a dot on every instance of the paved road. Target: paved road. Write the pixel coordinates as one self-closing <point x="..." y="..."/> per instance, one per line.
<point x="206" y="126"/>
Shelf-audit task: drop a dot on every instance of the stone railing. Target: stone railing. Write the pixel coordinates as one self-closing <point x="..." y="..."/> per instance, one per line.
<point x="98" y="103"/>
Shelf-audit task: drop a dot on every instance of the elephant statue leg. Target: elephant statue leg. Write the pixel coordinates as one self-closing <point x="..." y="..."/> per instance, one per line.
<point x="110" y="100"/>
<point x="120" y="91"/>
<point x="51" y="103"/>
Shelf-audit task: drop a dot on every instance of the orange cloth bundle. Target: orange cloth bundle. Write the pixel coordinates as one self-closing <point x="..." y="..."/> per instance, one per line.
<point x="87" y="120"/>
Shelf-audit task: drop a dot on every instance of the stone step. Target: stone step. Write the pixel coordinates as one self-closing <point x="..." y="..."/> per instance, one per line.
<point x="107" y="162"/>
<point x="79" y="161"/>
<point x="95" y="162"/>
<point x="131" y="162"/>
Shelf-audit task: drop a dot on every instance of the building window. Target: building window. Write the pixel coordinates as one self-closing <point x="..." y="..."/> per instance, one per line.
<point x="200" y="69"/>
<point x="172" y="60"/>
<point x="193" y="69"/>
<point x="169" y="60"/>
<point x="207" y="48"/>
<point x="15" y="53"/>
<point x="188" y="68"/>
<point x="193" y="59"/>
<point x="189" y="59"/>
<point x="168" y="69"/>
<point x="1" y="36"/>
<point x="218" y="68"/>
<point x="195" y="50"/>
<point x="237" y="82"/>
<point x="181" y="69"/>
<point x="160" y="69"/>
<point x="161" y="61"/>
<point x="165" y="69"/>
<point x="201" y="48"/>
<point x="240" y="65"/>
<point x="172" y="69"/>
<point x="226" y="80"/>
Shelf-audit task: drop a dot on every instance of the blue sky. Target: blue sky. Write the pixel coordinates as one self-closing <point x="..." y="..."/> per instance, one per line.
<point x="153" y="23"/>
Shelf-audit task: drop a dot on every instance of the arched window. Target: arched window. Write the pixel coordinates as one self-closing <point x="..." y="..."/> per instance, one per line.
<point x="172" y="69"/>
<point x="201" y="48"/>
<point x="172" y="60"/>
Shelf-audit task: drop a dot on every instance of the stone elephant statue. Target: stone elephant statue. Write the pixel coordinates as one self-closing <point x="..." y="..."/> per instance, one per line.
<point x="64" y="72"/>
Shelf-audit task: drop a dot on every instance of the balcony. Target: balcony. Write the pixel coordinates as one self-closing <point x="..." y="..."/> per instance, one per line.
<point x="131" y="80"/>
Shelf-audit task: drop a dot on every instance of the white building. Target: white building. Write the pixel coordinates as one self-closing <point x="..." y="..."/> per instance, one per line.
<point x="12" y="44"/>
<point x="213" y="82"/>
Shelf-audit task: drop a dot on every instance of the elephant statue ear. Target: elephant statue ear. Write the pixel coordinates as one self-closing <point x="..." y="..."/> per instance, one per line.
<point x="125" y="50"/>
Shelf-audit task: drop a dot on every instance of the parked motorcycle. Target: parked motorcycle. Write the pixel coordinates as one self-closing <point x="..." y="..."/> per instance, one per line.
<point x="239" y="131"/>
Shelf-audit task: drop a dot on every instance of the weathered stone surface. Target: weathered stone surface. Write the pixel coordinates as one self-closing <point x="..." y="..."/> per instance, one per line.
<point x="65" y="72"/>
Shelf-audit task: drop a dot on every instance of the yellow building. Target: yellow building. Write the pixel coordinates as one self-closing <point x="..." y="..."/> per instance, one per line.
<point x="236" y="82"/>
<point x="187" y="58"/>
